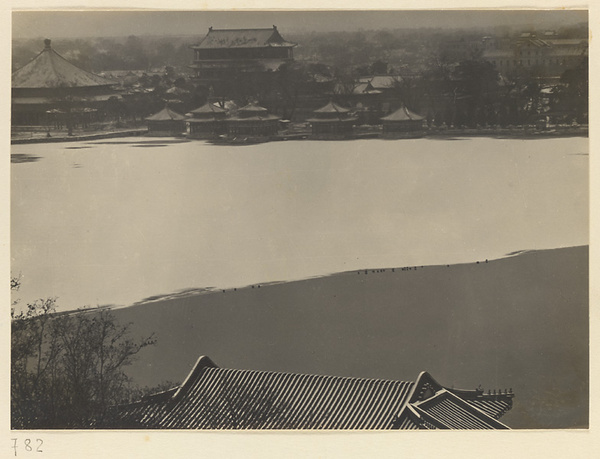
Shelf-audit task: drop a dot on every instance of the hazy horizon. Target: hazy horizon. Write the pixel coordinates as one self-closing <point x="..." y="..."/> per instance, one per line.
<point x="97" y="23"/>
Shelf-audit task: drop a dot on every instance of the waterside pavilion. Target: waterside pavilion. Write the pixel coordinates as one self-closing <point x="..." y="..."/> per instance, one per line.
<point x="166" y="123"/>
<point x="332" y="120"/>
<point x="402" y="121"/>
<point x="252" y="120"/>
<point x="206" y="122"/>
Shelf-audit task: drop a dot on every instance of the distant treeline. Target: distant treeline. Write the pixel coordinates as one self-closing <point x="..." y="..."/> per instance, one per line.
<point x="401" y="48"/>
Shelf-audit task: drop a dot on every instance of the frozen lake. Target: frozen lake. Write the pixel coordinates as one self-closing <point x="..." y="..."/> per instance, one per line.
<point x="116" y="221"/>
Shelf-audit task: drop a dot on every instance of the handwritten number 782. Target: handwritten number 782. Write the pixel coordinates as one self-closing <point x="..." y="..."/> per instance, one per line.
<point x="28" y="446"/>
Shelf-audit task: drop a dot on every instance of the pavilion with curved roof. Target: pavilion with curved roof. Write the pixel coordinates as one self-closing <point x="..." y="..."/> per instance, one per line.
<point x="252" y="120"/>
<point x="50" y="82"/>
<point x="401" y="121"/>
<point x="332" y="120"/>
<point x="166" y="122"/>
<point x="207" y="121"/>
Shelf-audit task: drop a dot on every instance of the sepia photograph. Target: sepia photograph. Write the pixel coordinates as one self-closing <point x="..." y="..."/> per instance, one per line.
<point x="302" y="220"/>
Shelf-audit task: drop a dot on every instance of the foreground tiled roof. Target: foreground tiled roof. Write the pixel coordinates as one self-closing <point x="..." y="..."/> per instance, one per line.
<point x="50" y="70"/>
<point x="493" y="406"/>
<point x="146" y="412"/>
<point x="217" y="398"/>
<point x="446" y="410"/>
<point x="242" y="38"/>
<point x="242" y="399"/>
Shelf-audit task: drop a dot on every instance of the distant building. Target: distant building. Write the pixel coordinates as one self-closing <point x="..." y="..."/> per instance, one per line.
<point x="382" y="83"/>
<point x="224" y="53"/>
<point x="373" y="96"/>
<point x="546" y="57"/>
<point x="124" y="78"/>
<point x="402" y="121"/>
<point x="166" y="123"/>
<point x="332" y="120"/>
<point x="358" y="92"/>
<point x="206" y="122"/>
<point x="252" y="120"/>
<point x="218" y="398"/>
<point x="49" y="86"/>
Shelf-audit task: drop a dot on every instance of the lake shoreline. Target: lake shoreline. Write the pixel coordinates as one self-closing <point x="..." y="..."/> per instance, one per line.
<point x="78" y="138"/>
<point x="442" y="134"/>
<point x="198" y="291"/>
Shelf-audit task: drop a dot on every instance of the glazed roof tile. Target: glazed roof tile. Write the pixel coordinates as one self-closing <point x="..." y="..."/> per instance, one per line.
<point x="494" y="408"/>
<point x="228" y="399"/>
<point x="145" y="413"/>
<point x="451" y="412"/>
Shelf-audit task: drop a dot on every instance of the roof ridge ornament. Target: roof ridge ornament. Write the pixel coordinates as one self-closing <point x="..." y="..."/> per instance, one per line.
<point x="47" y="43"/>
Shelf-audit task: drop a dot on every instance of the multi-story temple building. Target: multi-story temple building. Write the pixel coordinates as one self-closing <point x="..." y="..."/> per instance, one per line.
<point x="224" y="53"/>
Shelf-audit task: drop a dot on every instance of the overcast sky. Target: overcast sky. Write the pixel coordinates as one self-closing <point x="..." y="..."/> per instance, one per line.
<point x="54" y="24"/>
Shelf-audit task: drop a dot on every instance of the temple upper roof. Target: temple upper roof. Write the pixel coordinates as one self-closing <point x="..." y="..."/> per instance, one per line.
<point x="243" y="38"/>
<point x="50" y="70"/>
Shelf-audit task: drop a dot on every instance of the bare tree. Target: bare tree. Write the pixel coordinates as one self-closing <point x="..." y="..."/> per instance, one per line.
<point x="66" y="369"/>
